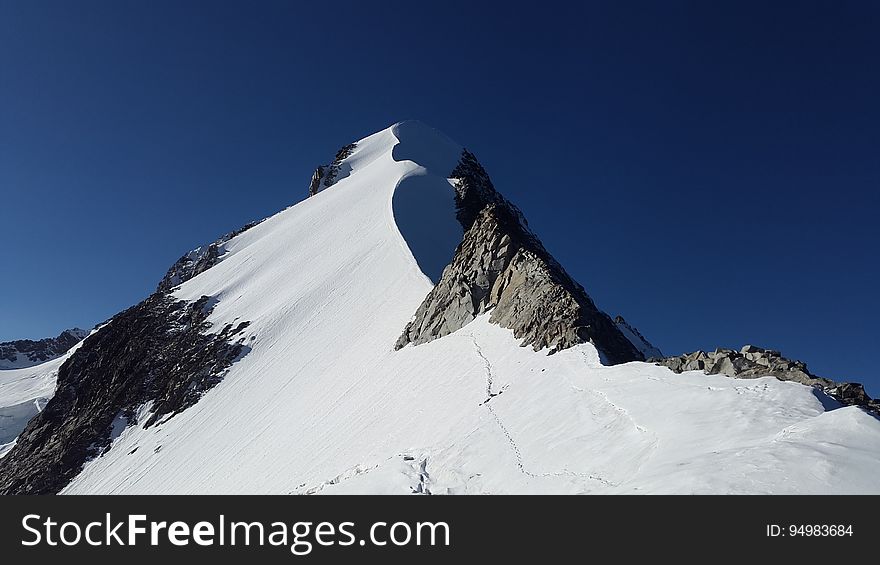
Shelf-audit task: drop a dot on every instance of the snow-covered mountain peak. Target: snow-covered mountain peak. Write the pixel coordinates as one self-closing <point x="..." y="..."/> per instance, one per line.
<point x="368" y="339"/>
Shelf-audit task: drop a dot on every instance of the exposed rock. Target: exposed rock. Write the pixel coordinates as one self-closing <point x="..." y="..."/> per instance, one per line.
<point x="752" y="362"/>
<point x="635" y="337"/>
<point x="325" y="175"/>
<point x="198" y="260"/>
<point x="315" y="184"/>
<point x="26" y="352"/>
<point x="500" y="266"/>
<point x="158" y="351"/>
<point x="853" y="394"/>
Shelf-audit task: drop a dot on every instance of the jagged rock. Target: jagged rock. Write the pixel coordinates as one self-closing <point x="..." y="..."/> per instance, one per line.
<point x="26" y="352"/>
<point x="317" y="177"/>
<point x="636" y="338"/>
<point x="198" y="260"/>
<point x="500" y="266"/>
<point x="752" y="362"/>
<point x="325" y="175"/>
<point x="851" y="393"/>
<point x="158" y="351"/>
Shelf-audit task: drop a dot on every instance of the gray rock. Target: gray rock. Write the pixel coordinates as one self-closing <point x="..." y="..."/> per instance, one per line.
<point x="752" y="362"/>
<point x="326" y="175"/>
<point x="198" y="260"/>
<point x="502" y="268"/>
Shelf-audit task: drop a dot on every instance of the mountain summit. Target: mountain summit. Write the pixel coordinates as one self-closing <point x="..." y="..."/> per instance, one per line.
<point x="402" y="330"/>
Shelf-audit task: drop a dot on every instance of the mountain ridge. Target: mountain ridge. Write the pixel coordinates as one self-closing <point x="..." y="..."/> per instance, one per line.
<point x="25" y="353"/>
<point x="267" y="362"/>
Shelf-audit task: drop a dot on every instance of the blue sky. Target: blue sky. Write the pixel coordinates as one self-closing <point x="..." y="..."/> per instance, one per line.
<point x="709" y="172"/>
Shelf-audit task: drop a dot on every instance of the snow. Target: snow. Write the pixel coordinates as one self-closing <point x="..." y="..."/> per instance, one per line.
<point x="23" y="394"/>
<point x="636" y="338"/>
<point x="324" y="404"/>
<point x="22" y="360"/>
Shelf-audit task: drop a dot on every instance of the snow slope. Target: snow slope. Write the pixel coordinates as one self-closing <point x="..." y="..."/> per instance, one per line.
<point x="323" y="404"/>
<point x="636" y="338"/>
<point x="23" y="394"/>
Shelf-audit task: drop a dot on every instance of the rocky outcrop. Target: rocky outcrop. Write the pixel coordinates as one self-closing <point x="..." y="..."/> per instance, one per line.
<point x="158" y="352"/>
<point x="325" y="175"/>
<point x="501" y="267"/>
<point x="198" y="260"/>
<point x="27" y="353"/>
<point x="752" y="362"/>
<point x="853" y="394"/>
<point x="748" y="363"/>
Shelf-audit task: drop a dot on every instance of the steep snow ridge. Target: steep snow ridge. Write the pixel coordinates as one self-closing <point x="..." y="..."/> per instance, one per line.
<point x="637" y="339"/>
<point x="324" y="404"/>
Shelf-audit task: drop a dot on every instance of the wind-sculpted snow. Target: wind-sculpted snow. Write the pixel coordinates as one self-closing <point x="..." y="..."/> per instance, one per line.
<point x="424" y="199"/>
<point x="423" y="212"/>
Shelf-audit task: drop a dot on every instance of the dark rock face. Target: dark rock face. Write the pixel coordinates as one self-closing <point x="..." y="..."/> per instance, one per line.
<point x="500" y="266"/>
<point x="636" y="338"/>
<point x="752" y="362"/>
<point x="853" y="394"/>
<point x="158" y="351"/>
<point x="325" y="175"/>
<point x="197" y="261"/>
<point x="26" y="352"/>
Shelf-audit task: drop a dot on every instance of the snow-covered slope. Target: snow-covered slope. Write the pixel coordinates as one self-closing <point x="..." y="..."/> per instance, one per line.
<point x="29" y="353"/>
<point x="323" y="403"/>
<point x="24" y="393"/>
<point x="637" y="339"/>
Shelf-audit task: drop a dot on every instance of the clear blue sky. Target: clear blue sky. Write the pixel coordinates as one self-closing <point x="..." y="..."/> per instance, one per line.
<point x="709" y="172"/>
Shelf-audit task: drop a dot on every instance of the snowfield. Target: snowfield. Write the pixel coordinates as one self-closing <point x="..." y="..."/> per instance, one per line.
<point x="323" y="404"/>
<point x="23" y="394"/>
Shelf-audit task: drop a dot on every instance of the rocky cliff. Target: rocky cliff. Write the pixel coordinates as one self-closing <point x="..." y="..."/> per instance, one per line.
<point x="502" y="268"/>
<point x="161" y="352"/>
